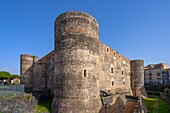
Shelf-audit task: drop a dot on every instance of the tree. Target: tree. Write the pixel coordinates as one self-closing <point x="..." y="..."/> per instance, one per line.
<point x="15" y="76"/>
<point x="5" y="75"/>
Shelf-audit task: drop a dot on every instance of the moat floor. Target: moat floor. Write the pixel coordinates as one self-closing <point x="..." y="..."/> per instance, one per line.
<point x="129" y="107"/>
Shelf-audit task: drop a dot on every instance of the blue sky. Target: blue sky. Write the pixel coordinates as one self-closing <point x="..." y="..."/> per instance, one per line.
<point x="138" y="29"/>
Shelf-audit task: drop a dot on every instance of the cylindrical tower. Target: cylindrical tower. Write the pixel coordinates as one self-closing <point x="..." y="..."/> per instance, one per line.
<point x="26" y="72"/>
<point x="137" y="77"/>
<point x="76" y="88"/>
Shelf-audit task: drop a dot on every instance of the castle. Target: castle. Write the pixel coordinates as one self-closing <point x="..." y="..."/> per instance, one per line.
<point x="83" y="74"/>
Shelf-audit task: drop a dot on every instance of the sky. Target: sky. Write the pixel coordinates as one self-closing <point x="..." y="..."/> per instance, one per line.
<point x="138" y="29"/>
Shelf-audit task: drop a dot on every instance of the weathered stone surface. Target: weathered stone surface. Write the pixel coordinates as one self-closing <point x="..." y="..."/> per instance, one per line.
<point x="76" y="50"/>
<point x="20" y="103"/>
<point x="40" y="77"/>
<point x="26" y="70"/>
<point x="137" y="77"/>
<point x="120" y="70"/>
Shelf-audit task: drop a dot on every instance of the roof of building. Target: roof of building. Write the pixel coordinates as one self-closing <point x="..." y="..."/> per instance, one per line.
<point x="157" y="66"/>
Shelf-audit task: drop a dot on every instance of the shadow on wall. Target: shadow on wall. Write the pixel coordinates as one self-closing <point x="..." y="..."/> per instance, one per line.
<point x="35" y="81"/>
<point x="117" y="107"/>
<point x="26" y="79"/>
<point x="44" y="106"/>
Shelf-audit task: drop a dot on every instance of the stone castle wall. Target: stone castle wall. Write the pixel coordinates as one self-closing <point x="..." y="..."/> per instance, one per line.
<point x="40" y="77"/>
<point x="114" y="70"/>
<point x="26" y="70"/>
<point x="50" y="74"/>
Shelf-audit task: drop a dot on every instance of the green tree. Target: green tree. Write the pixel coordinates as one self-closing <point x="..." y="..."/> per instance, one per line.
<point x="5" y="75"/>
<point x="15" y="76"/>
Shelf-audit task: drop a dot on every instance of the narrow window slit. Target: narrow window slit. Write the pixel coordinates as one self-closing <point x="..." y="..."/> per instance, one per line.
<point x="111" y="69"/>
<point x="112" y="83"/>
<point x="85" y="73"/>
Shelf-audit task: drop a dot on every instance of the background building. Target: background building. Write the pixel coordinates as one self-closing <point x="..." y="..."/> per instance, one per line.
<point x="157" y="74"/>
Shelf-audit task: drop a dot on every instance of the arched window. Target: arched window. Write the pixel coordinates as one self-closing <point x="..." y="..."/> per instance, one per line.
<point x="107" y="49"/>
<point x="122" y="72"/>
<point x="111" y="69"/>
<point x="113" y="83"/>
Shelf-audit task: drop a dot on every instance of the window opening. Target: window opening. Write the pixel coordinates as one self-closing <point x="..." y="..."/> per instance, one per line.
<point x="85" y="73"/>
<point x="112" y="83"/>
<point x="111" y="69"/>
<point x="107" y="49"/>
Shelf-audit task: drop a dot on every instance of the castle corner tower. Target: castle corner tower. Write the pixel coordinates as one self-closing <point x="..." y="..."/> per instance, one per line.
<point x="137" y="78"/>
<point x="76" y="88"/>
<point x="26" y="70"/>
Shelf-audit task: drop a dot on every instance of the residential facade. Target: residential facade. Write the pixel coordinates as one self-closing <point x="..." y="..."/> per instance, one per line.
<point x="157" y="74"/>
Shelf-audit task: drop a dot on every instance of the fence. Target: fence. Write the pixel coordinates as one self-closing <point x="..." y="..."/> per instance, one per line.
<point x="6" y="90"/>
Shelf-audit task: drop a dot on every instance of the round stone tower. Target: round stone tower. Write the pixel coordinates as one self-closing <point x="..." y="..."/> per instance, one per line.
<point x="137" y="78"/>
<point x="26" y="63"/>
<point x="76" y="88"/>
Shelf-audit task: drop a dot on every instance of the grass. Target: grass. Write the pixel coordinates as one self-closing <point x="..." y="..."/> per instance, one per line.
<point x="156" y="103"/>
<point x="9" y="96"/>
<point x="44" y="106"/>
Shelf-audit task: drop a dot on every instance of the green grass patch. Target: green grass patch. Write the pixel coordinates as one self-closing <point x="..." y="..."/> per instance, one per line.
<point x="156" y="103"/>
<point x="44" y="106"/>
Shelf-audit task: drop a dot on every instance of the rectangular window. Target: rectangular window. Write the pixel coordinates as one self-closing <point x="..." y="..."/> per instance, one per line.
<point x="111" y="69"/>
<point x="85" y="73"/>
<point x="112" y="83"/>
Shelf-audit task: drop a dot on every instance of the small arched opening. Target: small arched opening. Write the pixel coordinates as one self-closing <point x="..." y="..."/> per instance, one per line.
<point x="113" y="83"/>
<point x="122" y="72"/>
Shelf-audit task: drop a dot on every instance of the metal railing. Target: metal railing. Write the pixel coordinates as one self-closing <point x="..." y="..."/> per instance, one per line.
<point x="6" y="90"/>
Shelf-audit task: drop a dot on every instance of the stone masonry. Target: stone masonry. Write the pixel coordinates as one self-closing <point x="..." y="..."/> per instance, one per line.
<point x="80" y="67"/>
